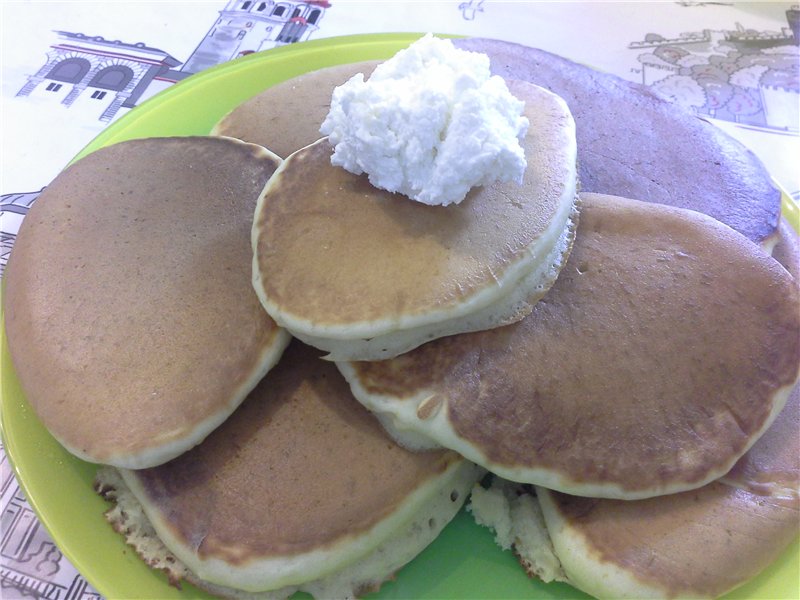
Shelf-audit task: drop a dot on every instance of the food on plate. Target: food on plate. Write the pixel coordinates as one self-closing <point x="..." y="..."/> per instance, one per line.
<point x="630" y="142"/>
<point x="430" y="123"/>
<point x="633" y="144"/>
<point x="300" y="489"/>
<point x="666" y="347"/>
<point x="366" y="274"/>
<point x="787" y="249"/>
<point x="664" y="350"/>
<point x="699" y="544"/>
<point x="129" y="308"/>
<point x="273" y="117"/>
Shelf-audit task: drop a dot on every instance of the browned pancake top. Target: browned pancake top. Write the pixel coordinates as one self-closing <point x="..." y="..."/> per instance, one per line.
<point x="709" y="540"/>
<point x="299" y="466"/>
<point x="633" y="144"/>
<point x="334" y="250"/>
<point x="288" y="115"/>
<point x="652" y="361"/>
<point x="129" y="305"/>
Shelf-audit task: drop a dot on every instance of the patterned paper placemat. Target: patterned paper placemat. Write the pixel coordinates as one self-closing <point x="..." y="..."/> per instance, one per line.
<point x="71" y="68"/>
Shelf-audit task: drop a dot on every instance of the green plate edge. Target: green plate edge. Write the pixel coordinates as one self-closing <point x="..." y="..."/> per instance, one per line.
<point x="463" y="562"/>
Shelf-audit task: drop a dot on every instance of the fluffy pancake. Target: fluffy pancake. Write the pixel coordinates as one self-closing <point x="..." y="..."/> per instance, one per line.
<point x="130" y="314"/>
<point x="664" y="350"/>
<point x="282" y="496"/>
<point x="697" y="544"/>
<point x="366" y="274"/>
<point x="633" y="144"/>
<point x="271" y="118"/>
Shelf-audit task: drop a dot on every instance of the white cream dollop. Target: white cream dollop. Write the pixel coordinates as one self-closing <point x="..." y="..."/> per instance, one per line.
<point x="429" y="123"/>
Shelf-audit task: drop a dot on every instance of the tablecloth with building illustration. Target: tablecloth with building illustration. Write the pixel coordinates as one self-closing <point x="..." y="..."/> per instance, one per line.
<point x="70" y="68"/>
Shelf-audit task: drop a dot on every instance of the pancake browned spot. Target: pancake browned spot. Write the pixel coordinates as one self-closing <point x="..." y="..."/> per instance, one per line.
<point x="300" y="487"/>
<point x="366" y="274"/>
<point x="129" y="309"/>
<point x="633" y="144"/>
<point x="272" y="118"/>
<point x="664" y="350"/>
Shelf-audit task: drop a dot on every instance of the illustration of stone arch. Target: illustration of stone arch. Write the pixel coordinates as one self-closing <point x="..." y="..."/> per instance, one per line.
<point x="115" y="75"/>
<point x="70" y="70"/>
<point x="67" y="67"/>
<point x="74" y="67"/>
<point x="112" y="77"/>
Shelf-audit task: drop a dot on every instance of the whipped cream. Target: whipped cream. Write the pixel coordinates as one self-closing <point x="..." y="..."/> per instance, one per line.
<point x="430" y="123"/>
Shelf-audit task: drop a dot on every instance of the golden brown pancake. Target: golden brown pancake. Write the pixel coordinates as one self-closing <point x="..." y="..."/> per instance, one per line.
<point x="130" y="314"/>
<point x="300" y="483"/>
<point x="698" y="544"/>
<point x="664" y="350"/>
<point x="288" y="115"/>
<point x="634" y="144"/>
<point x="363" y="273"/>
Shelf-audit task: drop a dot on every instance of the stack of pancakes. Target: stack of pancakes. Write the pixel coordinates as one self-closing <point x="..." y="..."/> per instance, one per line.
<point x="621" y="358"/>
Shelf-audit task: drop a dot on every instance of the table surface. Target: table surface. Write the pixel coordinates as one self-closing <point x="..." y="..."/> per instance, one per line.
<point x="46" y="120"/>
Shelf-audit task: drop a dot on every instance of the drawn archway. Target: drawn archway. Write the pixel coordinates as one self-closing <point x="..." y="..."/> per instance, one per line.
<point x="114" y="77"/>
<point x="70" y="70"/>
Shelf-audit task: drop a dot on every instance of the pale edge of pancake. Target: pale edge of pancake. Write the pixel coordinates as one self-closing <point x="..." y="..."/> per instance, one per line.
<point x="516" y="304"/>
<point x="411" y="425"/>
<point x="600" y="579"/>
<point x="518" y="519"/>
<point x="535" y="270"/>
<point x="159" y="454"/>
<point x="518" y="524"/>
<point x="353" y="566"/>
<point x="529" y="523"/>
<point x="768" y="243"/>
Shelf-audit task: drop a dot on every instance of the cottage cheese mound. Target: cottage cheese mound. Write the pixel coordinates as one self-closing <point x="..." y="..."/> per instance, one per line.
<point x="430" y="123"/>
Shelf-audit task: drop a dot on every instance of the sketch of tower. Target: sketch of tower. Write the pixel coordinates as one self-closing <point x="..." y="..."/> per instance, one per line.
<point x="247" y="26"/>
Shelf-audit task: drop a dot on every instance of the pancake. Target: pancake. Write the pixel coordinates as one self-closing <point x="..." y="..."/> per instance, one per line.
<point x="366" y="274"/>
<point x="664" y="350"/>
<point x="282" y="496"/>
<point x="759" y="495"/>
<point x="698" y="544"/>
<point x="271" y="118"/>
<point x="129" y="309"/>
<point x="634" y="144"/>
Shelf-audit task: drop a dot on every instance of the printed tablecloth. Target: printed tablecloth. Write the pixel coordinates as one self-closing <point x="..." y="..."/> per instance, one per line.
<point x="71" y="68"/>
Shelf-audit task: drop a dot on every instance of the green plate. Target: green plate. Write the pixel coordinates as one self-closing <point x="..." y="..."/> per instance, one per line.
<point x="462" y="563"/>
